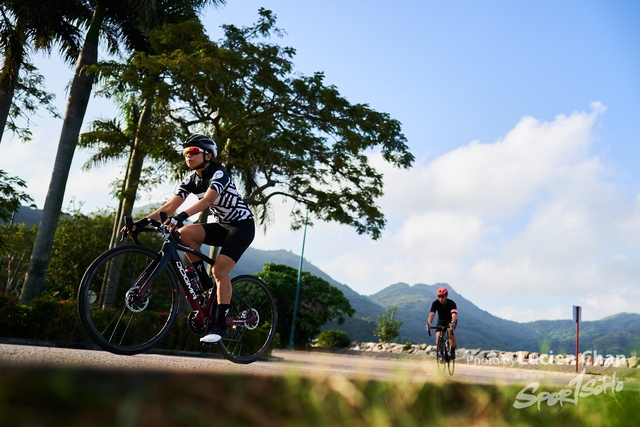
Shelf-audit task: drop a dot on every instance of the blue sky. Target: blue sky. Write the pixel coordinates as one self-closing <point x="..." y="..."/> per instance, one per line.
<point x="524" y="120"/>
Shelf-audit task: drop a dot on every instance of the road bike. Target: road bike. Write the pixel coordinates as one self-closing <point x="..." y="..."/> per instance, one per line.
<point x="129" y="298"/>
<point x="443" y="350"/>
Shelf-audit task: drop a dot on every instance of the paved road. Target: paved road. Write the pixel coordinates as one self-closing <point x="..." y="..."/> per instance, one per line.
<point x="285" y="362"/>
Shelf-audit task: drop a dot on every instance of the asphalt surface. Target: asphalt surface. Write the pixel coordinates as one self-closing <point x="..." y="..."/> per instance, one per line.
<point x="283" y="363"/>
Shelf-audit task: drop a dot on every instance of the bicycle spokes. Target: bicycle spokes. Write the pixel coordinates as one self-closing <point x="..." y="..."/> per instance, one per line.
<point x="252" y="321"/>
<point x="112" y="310"/>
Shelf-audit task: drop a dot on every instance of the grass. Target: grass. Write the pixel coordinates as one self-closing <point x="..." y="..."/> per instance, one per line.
<point x="91" y="397"/>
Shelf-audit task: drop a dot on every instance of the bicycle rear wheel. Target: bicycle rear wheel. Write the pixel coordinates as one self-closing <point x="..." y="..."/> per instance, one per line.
<point x="248" y="341"/>
<point x="109" y="309"/>
<point x="451" y="366"/>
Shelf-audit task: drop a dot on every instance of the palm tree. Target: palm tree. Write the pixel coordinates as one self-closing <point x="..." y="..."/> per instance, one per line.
<point x="141" y="136"/>
<point x="126" y="20"/>
<point x="31" y="25"/>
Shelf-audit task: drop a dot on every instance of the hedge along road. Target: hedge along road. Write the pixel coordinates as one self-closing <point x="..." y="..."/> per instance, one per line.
<point x="283" y="363"/>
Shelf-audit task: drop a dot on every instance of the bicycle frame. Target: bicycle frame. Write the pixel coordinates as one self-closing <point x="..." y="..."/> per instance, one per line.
<point x="443" y="338"/>
<point x="169" y="254"/>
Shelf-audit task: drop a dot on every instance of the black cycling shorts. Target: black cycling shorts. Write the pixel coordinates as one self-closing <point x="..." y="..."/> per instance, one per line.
<point x="234" y="238"/>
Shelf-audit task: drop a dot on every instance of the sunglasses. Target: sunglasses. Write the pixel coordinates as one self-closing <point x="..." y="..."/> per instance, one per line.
<point x="192" y="151"/>
<point x="442" y="296"/>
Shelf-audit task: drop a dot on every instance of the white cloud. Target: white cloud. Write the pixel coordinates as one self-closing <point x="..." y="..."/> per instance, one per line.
<point x="531" y="217"/>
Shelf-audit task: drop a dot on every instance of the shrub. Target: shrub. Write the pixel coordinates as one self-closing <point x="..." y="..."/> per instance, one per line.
<point x="333" y="339"/>
<point x="388" y="326"/>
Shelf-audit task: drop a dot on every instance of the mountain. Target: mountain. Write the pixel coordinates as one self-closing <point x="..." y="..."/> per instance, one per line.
<point x="30" y="215"/>
<point x="476" y="328"/>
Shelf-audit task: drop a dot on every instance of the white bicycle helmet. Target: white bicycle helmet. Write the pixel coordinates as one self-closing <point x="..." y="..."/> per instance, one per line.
<point x="202" y="141"/>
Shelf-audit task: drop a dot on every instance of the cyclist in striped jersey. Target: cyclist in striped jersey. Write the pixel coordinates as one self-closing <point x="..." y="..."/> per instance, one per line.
<point x="233" y="229"/>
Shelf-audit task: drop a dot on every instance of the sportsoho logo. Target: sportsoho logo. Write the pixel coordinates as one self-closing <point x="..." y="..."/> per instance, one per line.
<point x="576" y="389"/>
<point x="585" y="358"/>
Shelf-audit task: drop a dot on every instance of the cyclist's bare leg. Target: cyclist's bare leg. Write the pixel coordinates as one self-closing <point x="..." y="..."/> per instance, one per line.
<point x="193" y="235"/>
<point x="437" y="340"/>
<point x="221" y="270"/>
<point x="452" y="338"/>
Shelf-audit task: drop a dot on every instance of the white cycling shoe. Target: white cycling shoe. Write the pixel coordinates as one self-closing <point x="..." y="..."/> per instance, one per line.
<point x="215" y="336"/>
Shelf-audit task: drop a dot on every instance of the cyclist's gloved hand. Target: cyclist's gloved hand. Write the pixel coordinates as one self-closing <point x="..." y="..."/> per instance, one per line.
<point x="141" y="223"/>
<point x="428" y="325"/>
<point x="138" y="224"/>
<point x="177" y="221"/>
<point x="452" y="325"/>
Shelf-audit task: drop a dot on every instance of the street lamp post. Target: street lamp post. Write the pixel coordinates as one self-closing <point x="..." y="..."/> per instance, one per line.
<point x="295" y="304"/>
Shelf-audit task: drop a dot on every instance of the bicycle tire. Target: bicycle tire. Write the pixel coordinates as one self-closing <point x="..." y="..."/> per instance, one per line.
<point x="246" y="343"/>
<point x="440" y="355"/>
<point x="450" y="362"/>
<point x="113" y="318"/>
<point x="451" y="366"/>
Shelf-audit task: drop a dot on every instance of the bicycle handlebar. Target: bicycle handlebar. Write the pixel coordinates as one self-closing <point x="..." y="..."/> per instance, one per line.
<point x="439" y="328"/>
<point x="172" y="238"/>
<point x="155" y="227"/>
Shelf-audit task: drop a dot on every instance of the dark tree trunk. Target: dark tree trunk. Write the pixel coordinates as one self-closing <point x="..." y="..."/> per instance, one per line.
<point x="13" y="57"/>
<point x="134" y="171"/>
<point x="76" y="108"/>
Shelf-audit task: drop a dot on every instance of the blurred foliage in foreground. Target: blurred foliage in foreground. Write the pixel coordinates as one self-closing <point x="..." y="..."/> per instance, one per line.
<point x="66" y="397"/>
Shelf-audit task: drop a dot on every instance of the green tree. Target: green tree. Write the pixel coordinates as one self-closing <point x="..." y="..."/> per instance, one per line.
<point x="11" y="195"/>
<point x="25" y="26"/>
<point x="79" y="240"/>
<point x="318" y="304"/>
<point x="112" y="140"/>
<point x="124" y="23"/>
<point x="282" y="134"/>
<point x="15" y="249"/>
<point x="388" y="326"/>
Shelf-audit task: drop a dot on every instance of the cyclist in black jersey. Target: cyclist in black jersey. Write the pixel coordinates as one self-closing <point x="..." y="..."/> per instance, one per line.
<point x="233" y="230"/>
<point x="447" y="316"/>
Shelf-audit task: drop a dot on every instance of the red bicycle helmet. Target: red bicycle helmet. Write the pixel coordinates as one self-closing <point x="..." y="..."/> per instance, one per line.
<point x="442" y="292"/>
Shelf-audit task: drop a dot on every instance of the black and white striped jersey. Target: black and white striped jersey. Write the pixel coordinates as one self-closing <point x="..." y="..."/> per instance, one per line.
<point x="229" y="206"/>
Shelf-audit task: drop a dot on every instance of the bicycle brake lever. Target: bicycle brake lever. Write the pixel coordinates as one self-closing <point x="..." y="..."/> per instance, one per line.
<point x="163" y="226"/>
<point x="128" y="225"/>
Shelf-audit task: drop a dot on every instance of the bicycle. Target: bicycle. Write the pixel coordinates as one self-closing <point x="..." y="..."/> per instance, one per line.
<point x="129" y="298"/>
<point x="443" y="350"/>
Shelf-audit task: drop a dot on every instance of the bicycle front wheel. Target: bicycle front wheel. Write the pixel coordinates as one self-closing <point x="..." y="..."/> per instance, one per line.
<point x="249" y="340"/>
<point x="441" y="356"/>
<point x="110" y="311"/>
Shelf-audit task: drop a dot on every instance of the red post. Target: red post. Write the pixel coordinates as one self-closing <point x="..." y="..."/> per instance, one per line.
<point x="576" y="317"/>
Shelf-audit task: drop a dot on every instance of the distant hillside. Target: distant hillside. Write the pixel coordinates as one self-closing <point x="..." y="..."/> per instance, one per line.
<point x="27" y="215"/>
<point x="619" y="334"/>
